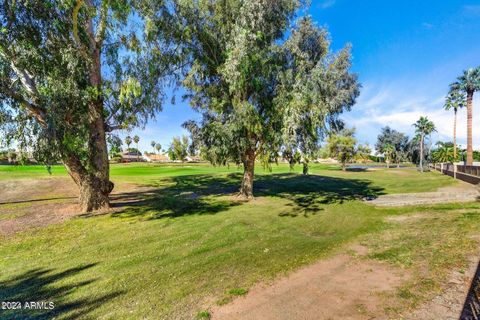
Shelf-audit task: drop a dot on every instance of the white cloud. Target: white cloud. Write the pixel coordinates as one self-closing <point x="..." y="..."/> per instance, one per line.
<point x="398" y="107"/>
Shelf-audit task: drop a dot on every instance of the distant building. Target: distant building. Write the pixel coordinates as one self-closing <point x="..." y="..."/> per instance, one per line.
<point x="132" y="157"/>
<point x="192" y="159"/>
<point x="156" y="157"/>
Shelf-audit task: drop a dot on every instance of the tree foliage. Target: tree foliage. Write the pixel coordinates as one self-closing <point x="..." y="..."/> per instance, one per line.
<point x="258" y="93"/>
<point x="423" y="128"/>
<point x="178" y="149"/>
<point x="443" y="153"/>
<point x="342" y="146"/>
<point x="398" y="140"/>
<point x="72" y="72"/>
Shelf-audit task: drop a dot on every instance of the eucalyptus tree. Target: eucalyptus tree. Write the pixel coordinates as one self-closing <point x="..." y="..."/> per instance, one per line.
<point x="455" y="100"/>
<point x="423" y="128"/>
<point x="315" y="87"/>
<point x="468" y="82"/>
<point x="238" y="78"/>
<point x="72" y="72"/>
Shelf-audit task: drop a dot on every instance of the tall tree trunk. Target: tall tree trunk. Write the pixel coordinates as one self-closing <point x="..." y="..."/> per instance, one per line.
<point x="469" y="128"/>
<point x="94" y="191"/>
<point x="305" y="168"/>
<point x="455" y="136"/>
<point x="94" y="181"/>
<point x="246" y="189"/>
<point x="421" y="152"/>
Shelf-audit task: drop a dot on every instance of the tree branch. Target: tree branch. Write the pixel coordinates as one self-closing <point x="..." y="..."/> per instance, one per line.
<point x="102" y="24"/>
<point x="36" y="111"/>
<point x="25" y="77"/>
<point x="110" y="128"/>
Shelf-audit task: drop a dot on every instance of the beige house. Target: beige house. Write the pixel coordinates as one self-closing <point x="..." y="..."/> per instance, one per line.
<point x="156" y="157"/>
<point x="132" y="157"/>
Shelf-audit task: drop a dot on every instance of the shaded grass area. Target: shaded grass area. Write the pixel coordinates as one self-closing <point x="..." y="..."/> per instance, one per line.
<point x="40" y="286"/>
<point x="168" y="251"/>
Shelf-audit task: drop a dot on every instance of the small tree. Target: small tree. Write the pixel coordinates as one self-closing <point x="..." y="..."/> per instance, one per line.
<point x="388" y="150"/>
<point x="178" y="148"/>
<point x="363" y="153"/>
<point x="423" y="128"/>
<point x="444" y="152"/>
<point x="136" y="139"/>
<point x="342" y="146"/>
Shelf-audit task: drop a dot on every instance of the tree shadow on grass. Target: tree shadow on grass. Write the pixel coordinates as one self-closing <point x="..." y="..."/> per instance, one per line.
<point x="196" y="194"/>
<point x="308" y="194"/>
<point x="178" y="196"/>
<point x="42" y="285"/>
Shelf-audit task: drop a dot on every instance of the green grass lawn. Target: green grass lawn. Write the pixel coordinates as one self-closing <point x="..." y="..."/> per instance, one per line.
<point x="187" y="242"/>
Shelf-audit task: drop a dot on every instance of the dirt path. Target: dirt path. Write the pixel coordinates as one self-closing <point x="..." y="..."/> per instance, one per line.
<point x="462" y="192"/>
<point x="341" y="287"/>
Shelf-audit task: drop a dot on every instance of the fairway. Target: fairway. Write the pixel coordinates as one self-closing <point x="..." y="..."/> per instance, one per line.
<point x="178" y="242"/>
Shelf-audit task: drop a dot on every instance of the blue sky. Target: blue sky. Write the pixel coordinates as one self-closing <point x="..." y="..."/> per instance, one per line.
<point x="406" y="53"/>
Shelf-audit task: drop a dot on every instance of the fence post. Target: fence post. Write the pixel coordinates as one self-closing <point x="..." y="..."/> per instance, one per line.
<point x="454" y="171"/>
<point x="441" y="167"/>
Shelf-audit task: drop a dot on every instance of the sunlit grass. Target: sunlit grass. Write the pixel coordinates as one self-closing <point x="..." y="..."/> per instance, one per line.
<point x="190" y="242"/>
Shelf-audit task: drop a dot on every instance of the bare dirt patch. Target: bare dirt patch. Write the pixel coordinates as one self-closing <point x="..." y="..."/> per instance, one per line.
<point x="461" y="192"/>
<point x="341" y="287"/>
<point x="28" y="204"/>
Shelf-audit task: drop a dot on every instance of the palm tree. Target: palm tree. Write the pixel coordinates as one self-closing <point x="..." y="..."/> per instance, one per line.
<point x="388" y="150"/>
<point x="158" y="146"/>
<point x="455" y="100"/>
<point x="153" y="143"/>
<point x="136" y="139"/>
<point x="444" y="152"/>
<point x="469" y="82"/>
<point x="423" y="127"/>
<point x="128" y="142"/>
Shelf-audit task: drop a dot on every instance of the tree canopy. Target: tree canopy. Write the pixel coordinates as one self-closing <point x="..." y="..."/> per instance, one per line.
<point x="258" y="93"/>
<point x="72" y="72"/>
<point x="342" y="146"/>
<point x="397" y="140"/>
